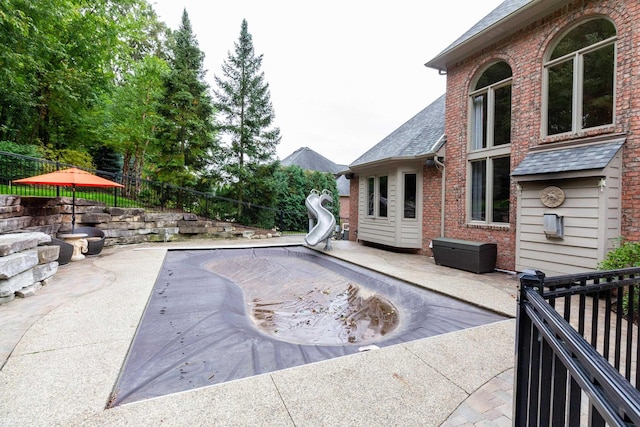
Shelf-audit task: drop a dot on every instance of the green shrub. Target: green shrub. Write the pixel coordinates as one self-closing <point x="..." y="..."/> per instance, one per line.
<point x="25" y="150"/>
<point x="627" y="254"/>
<point x="69" y="156"/>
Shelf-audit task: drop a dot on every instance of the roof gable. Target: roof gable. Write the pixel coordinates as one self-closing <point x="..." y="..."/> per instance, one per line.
<point x="419" y="136"/>
<point x="503" y="10"/>
<point x="308" y="159"/>
<point x="509" y="17"/>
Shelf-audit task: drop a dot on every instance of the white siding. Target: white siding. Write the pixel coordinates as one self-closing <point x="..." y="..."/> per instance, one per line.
<point x="374" y="228"/>
<point x="393" y="230"/>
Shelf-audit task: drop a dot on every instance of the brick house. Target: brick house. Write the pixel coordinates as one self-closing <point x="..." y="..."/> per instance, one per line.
<point x="541" y="123"/>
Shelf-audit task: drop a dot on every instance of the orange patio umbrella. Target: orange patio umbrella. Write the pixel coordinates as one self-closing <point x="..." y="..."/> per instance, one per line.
<point x="72" y="177"/>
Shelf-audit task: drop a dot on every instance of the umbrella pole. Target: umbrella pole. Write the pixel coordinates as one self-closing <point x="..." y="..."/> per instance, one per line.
<point x="73" y="209"/>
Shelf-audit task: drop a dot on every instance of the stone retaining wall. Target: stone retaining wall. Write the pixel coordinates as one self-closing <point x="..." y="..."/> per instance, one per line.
<point x="25" y="265"/>
<point x="120" y="225"/>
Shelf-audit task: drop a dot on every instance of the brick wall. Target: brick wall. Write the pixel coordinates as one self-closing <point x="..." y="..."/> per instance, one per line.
<point x="431" y="206"/>
<point x="524" y="52"/>
<point x="344" y="209"/>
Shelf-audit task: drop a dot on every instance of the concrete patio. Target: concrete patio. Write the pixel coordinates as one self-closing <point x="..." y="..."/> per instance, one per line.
<point x="62" y="349"/>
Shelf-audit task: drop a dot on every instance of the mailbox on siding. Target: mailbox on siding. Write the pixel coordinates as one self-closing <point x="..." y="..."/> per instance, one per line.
<point x="553" y="226"/>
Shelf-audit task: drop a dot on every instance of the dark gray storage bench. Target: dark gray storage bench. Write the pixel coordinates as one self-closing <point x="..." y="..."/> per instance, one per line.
<point x="476" y="257"/>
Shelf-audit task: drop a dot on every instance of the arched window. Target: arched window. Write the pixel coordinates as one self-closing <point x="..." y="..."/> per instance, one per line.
<point x="580" y="76"/>
<point x="489" y="147"/>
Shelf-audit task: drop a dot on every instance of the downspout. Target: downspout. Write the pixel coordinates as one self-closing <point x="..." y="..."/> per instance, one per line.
<point x="441" y="167"/>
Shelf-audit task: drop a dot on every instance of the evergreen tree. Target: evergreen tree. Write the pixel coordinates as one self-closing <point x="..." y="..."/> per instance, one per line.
<point x="243" y="101"/>
<point x="186" y="134"/>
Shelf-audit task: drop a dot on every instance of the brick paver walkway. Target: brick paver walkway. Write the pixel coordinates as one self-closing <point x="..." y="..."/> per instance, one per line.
<point x="490" y="405"/>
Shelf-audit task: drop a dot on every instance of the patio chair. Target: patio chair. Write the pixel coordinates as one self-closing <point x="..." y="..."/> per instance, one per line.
<point x="95" y="239"/>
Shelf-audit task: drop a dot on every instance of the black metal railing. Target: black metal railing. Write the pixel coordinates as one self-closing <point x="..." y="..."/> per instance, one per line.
<point x="149" y="195"/>
<point x="577" y="350"/>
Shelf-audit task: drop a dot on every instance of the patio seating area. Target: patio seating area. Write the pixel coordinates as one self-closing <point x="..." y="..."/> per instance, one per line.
<point x="95" y="239"/>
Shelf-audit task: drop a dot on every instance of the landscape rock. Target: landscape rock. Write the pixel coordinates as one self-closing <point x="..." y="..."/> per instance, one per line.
<point x="47" y="253"/>
<point x="28" y="291"/>
<point x="17" y="263"/>
<point x="8" y="298"/>
<point x="16" y="223"/>
<point x="17" y="242"/>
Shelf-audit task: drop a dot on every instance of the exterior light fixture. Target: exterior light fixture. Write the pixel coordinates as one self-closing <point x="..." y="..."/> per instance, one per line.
<point x="602" y="183"/>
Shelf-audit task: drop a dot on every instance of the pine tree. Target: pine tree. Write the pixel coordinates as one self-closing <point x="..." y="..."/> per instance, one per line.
<point x="187" y="133"/>
<point x="242" y="100"/>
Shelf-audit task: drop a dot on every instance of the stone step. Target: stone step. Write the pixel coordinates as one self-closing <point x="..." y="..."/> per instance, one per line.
<point x="11" y="211"/>
<point x="17" y="242"/>
<point x="18" y="262"/>
<point x="8" y="225"/>
<point x="9" y="200"/>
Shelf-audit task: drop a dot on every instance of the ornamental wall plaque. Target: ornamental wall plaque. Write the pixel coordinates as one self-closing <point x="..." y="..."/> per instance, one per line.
<point x="552" y="196"/>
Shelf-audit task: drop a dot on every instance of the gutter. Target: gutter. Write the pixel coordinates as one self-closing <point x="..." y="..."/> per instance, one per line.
<point x="355" y="168"/>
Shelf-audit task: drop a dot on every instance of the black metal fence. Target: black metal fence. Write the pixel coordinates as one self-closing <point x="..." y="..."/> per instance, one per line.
<point x="577" y="350"/>
<point x="148" y="194"/>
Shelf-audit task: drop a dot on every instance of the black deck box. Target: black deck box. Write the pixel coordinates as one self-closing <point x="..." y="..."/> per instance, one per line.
<point x="476" y="257"/>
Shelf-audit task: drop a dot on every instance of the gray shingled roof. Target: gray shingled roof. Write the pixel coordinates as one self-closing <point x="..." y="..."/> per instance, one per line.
<point x="308" y="159"/>
<point x="569" y="159"/>
<point x="509" y="17"/>
<point x="505" y="9"/>
<point x="343" y="185"/>
<point x="419" y="136"/>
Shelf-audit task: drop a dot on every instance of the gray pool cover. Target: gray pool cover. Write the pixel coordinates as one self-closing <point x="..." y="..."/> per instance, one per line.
<point x="217" y="315"/>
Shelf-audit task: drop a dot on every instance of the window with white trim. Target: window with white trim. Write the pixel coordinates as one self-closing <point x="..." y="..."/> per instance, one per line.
<point x="410" y="195"/>
<point x="490" y="146"/>
<point x="377" y="189"/>
<point x="382" y="196"/>
<point x="371" y="194"/>
<point x="580" y="79"/>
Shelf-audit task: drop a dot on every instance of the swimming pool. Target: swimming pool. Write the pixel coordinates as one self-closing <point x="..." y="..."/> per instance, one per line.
<point x="217" y="315"/>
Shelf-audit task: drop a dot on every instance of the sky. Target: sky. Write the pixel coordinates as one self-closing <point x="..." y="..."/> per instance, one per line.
<point x="342" y="74"/>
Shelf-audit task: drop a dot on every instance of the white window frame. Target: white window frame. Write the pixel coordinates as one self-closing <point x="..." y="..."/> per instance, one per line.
<point x="371" y="196"/>
<point x="376" y="196"/>
<point x="417" y="195"/>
